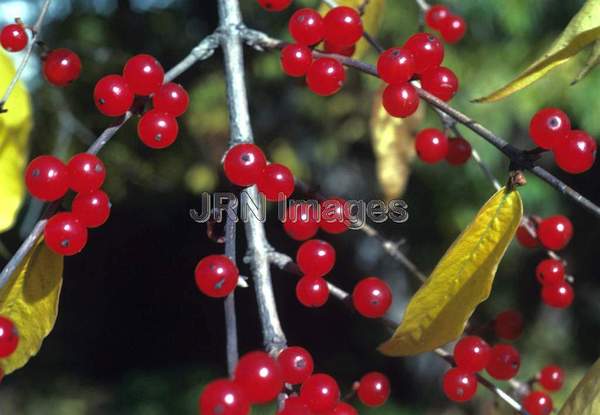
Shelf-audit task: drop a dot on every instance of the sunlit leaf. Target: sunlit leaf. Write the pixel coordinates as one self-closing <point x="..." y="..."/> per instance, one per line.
<point x="585" y="398"/>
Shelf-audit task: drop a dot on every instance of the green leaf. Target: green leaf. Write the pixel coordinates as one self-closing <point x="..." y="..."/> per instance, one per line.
<point x="585" y="398"/>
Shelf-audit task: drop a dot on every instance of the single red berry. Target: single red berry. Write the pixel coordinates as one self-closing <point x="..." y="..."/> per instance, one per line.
<point x="459" y="384"/>
<point x="396" y="66"/>
<point x="65" y="234"/>
<point x="339" y="50"/>
<point x="558" y="295"/>
<point x="325" y="76"/>
<point x="453" y="28"/>
<point x="223" y="397"/>
<point x="144" y="74"/>
<point x="312" y="291"/>
<point x="112" y="95"/>
<point x="296" y="59"/>
<point x="400" y="100"/>
<point x="431" y="145"/>
<point x="459" y="151"/>
<point x="320" y="392"/>
<point x="171" y="98"/>
<point x="334" y="215"/>
<point x="61" y="67"/>
<point x="555" y="232"/>
<point x="13" y="37"/>
<point x="294" y="405"/>
<point x="315" y="258"/>
<point x="538" y="403"/>
<point x="343" y="408"/>
<point x="343" y="26"/>
<point x="504" y="363"/>
<point x="508" y="325"/>
<point x="274" y="5"/>
<point x="548" y="127"/>
<point x="306" y="26"/>
<point x="373" y="389"/>
<point x="47" y="178"/>
<point x="372" y="297"/>
<point x="216" y="276"/>
<point x="9" y="337"/>
<point x="296" y="364"/>
<point x="552" y="378"/>
<point x="301" y="221"/>
<point x="86" y="172"/>
<point x="440" y="82"/>
<point x="525" y="236"/>
<point x="472" y="353"/>
<point x="91" y="208"/>
<point x="276" y="182"/>
<point x="576" y="152"/>
<point x="244" y="164"/>
<point x="259" y="376"/>
<point x="435" y="15"/>
<point x="157" y="129"/>
<point x="550" y="271"/>
<point x="427" y="50"/>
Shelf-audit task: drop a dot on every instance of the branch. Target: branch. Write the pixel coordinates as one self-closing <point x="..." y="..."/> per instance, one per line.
<point x="230" y="317"/>
<point x="423" y="5"/>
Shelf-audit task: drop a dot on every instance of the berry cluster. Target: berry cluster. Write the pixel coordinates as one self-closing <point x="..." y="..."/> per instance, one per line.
<point x="550" y="378"/>
<point x="556" y="291"/>
<point x="452" y="27"/>
<point x="432" y="146"/>
<point x="303" y="220"/>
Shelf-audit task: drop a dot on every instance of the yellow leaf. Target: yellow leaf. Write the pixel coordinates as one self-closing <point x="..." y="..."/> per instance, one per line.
<point x="581" y="31"/>
<point x="463" y="278"/>
<point x="15" y="125"/>
<point x="585" y="398"/>
<point x="592" y="62"/>
<point x="30" y="300"/>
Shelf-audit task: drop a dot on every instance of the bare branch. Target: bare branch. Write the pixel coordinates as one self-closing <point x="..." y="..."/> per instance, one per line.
<point x="230" y="316"/>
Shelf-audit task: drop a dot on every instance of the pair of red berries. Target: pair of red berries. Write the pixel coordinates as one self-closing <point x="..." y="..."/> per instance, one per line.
<point x="13" y="37"/>
<point x="553" y="233"/>
<point x="556" y="291"/>
<point x="452" y="27"/>
<point x="303" y="220"/>
<point x="315" y="258"/>
<point x="433" y="146"/>
<point x="9" y="337"/>
<point x="550" y="378"/>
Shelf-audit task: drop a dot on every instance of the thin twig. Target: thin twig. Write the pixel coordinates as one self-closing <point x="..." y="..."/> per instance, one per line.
<point x="423" y="5"/>
<point x="230" y="316"/>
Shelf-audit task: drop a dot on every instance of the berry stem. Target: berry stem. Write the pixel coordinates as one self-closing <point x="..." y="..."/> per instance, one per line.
<point x="230" y="316"/>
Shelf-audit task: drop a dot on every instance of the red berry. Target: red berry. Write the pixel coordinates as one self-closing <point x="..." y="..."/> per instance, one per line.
<point x="400" y="100"/>
<point x="276" y="182"/>
<point x="301" y="221"/>
<point x="504" y="363"/>
<point x="312" y="291"/>
<point x="294" y="405"/>
<point x="343" y="408"/>
<point x="459" y="385"/>
<point x="339" y="50"/>
<point x="555" y="232"/>
<point x="431" y="145"/>
<point x="223" y="397"/>
<point x="343" y="26"/>
<point x="373" y="389"/>
<point x="47" y="178"/>
<point x="552" y="378"/>
<point x="65" y="234"/>
<point x="472" y="353"/>
<point x="550" y="271"/>
<point x="112" y="95"/>
<point x="216" y="276"/>
<point x="459" y="151"/>
<point x="334" y="216"/>
<point x="453" y="28"/>
<point x="274" y="5"/>
<point x="306" y="26"/>
<point x="157" y="129"/>
<point x="549" y="126"/>
<point x="320" y="392"/>
<point x="259" y="376"/>
<point x="9" y="337"/>
<point x="372" y="297"/>
<point x="296" y="364"/>
<point x="315" y="258"/>
<point x="440" y="82"/>
<point x="538" y="403"/>
<point x="144" y="74"/>
<point x="244" y="164"/>
<point x="91" y="208"/>
<point x="558" y="295"/>
<point x="61" y="67"/>
<point x="396" y="66"/>
<point x="427" y="50"/>
<point x="296" y="59"/>
<point x="508" y="325"/>
<point x="86" y="172"/>
<point x="435" y="15"/>
<point x="13" y="37"/>
<point x="525" y="236"/>
<point x="171" y="98"/>
<point x="325" y="76"/>
<point x="576" y="152"/>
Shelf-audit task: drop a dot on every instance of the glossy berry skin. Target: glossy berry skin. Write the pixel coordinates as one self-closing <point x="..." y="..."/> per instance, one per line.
<point x="157" y="129"/>
<point x="296" y="364"/>
<point x="431" y="145"/>
<point x="343" y="26"/>
<point x="550" y="271"/>
<point x="274" y="5"/>
<point x="312" y="291"/>
<point x="339" y="50"/>
<point x="453" y="28"/>
<point x="525" y="238"/>
<point x="504" y="363"/>
<point x="61" y="67"/>
<point x="294" y="405"/>
<point x="216" y="276"/>
<point x="276" y="182"/>
<point x="343" y="408"/>
<point x="47" y="178"/>
<point x="396" y="66"/>
<point x="86" y="172"/>
<point x="427" y="50"/>
<point x="400" y="100"/>
<point x="301" y="221"/>
<point x="306" y="26"/>
<point x="9" y="337"/>
<point x="334" y="216"/>
<point x="508" y="325"/>
<point x="171" y="98"/>
<point x="549" y="126"/>
<point x="144" y="74"/>
<point x="558" y="295"/>
<point x="296" y="59"/>
<point x="374" y="389"/>
<point x="459" y="151"/>
<point x="320" y="392"/>
<point x="371" y="297"/>
<point x="315" y="258"/>
<point x="13" y="38"/>
<point x="244" y="164"/>
<point x="576" y="152"/>
<point x="440" y="82"/>
<point x="91" y="208"/>
<point x="459" y="384"/>
<point x="259" y="376"/>
<point x="65" y="234"/>
<point x="555" y="232"/>
<point x="325" y="76"/>
<point x="112" y="95"/>
<point x="435" y="15"/>
<point x="223" y="397"/>
<point x="552" y="378"/>
<point x="538" y="403"/>
<point x="472" y="353"/>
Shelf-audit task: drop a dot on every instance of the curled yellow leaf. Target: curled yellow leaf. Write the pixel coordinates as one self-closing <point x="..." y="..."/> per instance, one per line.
<point x="585" y="398"/>
<point x="463" y="278"/>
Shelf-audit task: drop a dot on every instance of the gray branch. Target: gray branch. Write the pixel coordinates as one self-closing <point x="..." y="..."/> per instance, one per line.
<point x="230" y="316"/>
